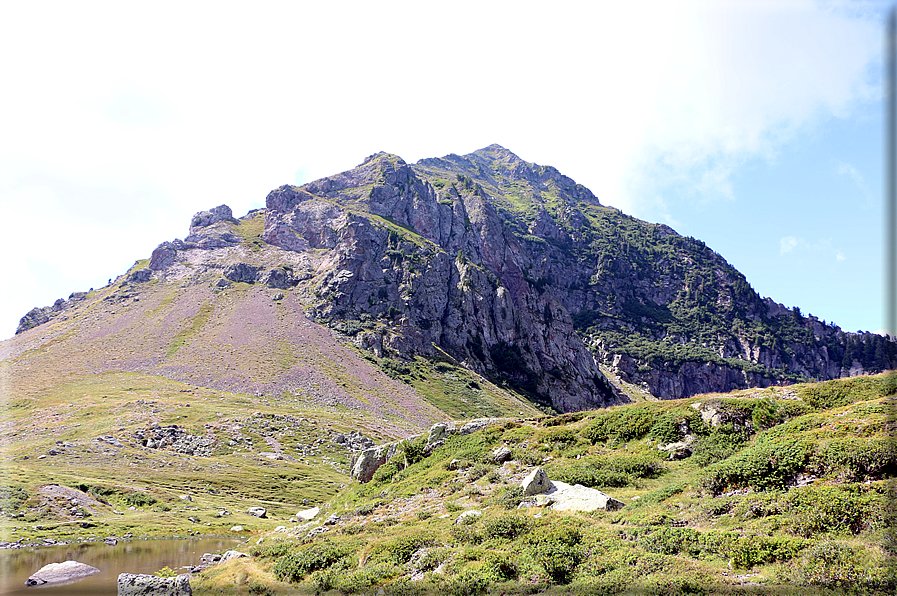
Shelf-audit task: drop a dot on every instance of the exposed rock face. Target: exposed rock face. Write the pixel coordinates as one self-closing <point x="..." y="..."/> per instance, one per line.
<point x="40" y="315"/>
<point x="204" y="219"/>
<point x="61" y="573"/>
<point x="241" y="272"/>
<point x="130" y="584"/>
<point x="516" y="272"/>
<point x="448" y="274"/>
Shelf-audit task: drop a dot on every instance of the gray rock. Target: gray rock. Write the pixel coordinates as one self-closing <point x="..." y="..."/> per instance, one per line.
<point x="478" y="424"/>
<point x="242" y="273"/>
<point x="204" y="219"/>
<point x="236" y="529"/>
<point x="257" y="512"/>
<point x="58" y="573"/>
<point x="308" y="514"/>
<point x="536" y="482"/>
<point x="141" y="275"/>
<point x="365" y="463"/>
<point x="501" y="455"/>
<point x="565" y="497"/>
<point x="130" y="584"/>
<point x="232" y="554"/>
<point x="468" y="517"/>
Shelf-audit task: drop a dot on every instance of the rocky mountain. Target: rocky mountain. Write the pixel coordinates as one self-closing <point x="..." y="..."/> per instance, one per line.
<point x="483" y="262"/>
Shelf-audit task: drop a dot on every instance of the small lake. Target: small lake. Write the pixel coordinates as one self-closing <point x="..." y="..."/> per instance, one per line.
<point x="136" y="556"/>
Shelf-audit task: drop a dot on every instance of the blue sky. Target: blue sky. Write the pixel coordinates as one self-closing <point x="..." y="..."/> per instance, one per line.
<point x="754" y="126"/>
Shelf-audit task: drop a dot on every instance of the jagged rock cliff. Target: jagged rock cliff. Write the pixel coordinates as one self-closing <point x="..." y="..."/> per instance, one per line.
<point x="518" y="273"/>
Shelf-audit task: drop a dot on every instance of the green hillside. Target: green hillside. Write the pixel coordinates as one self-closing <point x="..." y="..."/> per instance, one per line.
<point x="791" y="495"/>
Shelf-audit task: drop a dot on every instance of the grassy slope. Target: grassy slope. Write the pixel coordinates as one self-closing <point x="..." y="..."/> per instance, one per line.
<point x="725" y="520"/>
<point x="183" y="352"/>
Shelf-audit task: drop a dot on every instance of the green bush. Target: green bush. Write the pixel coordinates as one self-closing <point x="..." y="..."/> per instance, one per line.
<point x="765" y="465"/>
<point x="506" y="526"/>
<point x="387" y="471"/>
<point x="311" y="557"/>
<point x="720" y="443"/>
<point x="556" y="547"/>
<point x="139" y="500"/>
<point x="833" y="509"/>
<point x="467" y="583"/>
<point x="672" y="541"/>
<point x="508" y="497"/>
<point x="621" y="424"/>
<point x="855" y="459"/>
<point x="749" y="551"/>
<point x="398" y="551"/>
<point x="829" y="565"/>
<point x="358" y="581"/>
<point x="500" y="567"/>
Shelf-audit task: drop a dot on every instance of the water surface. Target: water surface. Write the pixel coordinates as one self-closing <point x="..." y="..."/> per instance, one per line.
<point x="137" y="556"/>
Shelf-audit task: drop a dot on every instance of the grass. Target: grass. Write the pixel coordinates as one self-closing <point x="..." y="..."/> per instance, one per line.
<point x="197" y="323"/>
<point x="672" y="537"/>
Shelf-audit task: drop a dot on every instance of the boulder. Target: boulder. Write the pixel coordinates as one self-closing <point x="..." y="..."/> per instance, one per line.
<point x="232" y="554"/>
<point x="236" y="529"/>
<point x="468" y="517"/>
<point x="438" y="433"/>
<point x="257" y="511"/>
<point x="60" y="573"/>
<point x="478" y="424"/>
<point x="536" y="482"/>
<point x="130" y="584"/>
<point x="501" y="455"/>
<point x="564" y="497"/>
<point x="308" y="514"/>
<point x="366" y="462"/>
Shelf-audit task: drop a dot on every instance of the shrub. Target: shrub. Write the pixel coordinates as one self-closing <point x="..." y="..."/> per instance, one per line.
<point x="672" y="541"/>
<point x="855" y="459"/>
<point x="139" y="500"/>
<point x="308" y="558"/>
<point x="467" y="583"/>
<point x="386" y="472"/>
<point x="500" y="566"/>
<point x="830" y="565"/>
<point x="258" y="589"/>
<point x="822" y="509"/>
<point x="765" y="465"/>
<point x="622" y="424"/>
<point x="556" y="548"/>
<point x="720" y="443"/>
<point x="508" y="497"/>
<point x="358" y="581"/>
<point x="749" y="551"/>
<point x="506" y="526"/>
<point x="398" y="551"/>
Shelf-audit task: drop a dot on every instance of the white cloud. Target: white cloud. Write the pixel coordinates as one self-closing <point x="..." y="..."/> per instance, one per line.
<point x="787" y="244"/>
<point x="134" y="117"/>
<point x="796" y="245"/>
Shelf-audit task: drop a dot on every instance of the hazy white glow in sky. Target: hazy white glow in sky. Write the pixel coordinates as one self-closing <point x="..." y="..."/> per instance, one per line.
<point x="754" y="126"/>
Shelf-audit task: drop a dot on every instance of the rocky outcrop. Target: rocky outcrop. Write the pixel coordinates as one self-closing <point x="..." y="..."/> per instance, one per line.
<point x="175" y="438"/>
<point x="130" y="584"/>
<point x="365" y="463"/>
<point x="204" y="219"/>
<point x="242" y="273"/>
<point x="40" y="315"/>
<point x="61" y="573"/>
